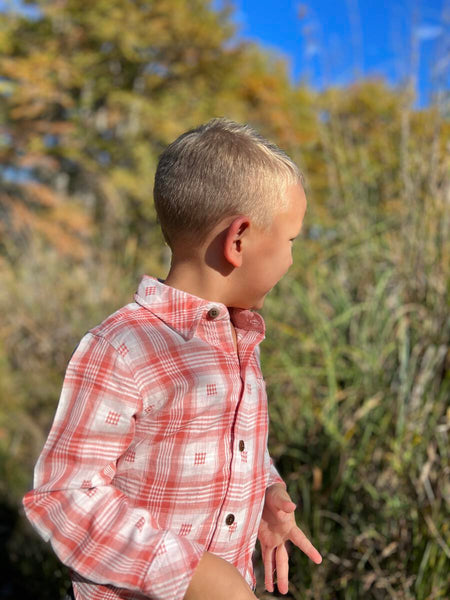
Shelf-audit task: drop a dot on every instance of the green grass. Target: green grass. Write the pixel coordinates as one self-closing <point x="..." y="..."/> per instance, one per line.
<point x="356" y="361"/>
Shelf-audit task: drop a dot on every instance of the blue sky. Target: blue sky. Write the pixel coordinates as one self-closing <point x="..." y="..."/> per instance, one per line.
<point x="337" y="41"/>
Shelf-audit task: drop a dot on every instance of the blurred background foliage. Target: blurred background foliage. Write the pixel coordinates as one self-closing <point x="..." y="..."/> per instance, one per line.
<point x="357" y="353"/>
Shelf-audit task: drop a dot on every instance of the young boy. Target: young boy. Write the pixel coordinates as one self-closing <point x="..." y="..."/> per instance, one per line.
<point x="155" y="480"/>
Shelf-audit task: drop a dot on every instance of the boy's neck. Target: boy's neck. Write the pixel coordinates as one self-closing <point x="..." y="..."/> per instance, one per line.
<point x="197" y="279"/>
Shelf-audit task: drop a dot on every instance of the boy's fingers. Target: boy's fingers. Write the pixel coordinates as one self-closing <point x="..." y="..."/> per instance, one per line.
<point x="282" y="562"/>
<point x="282" y="501"/>
<point x="287" y="506"/>
<point x="268" y="569"/>
<point x="301" y="541"/>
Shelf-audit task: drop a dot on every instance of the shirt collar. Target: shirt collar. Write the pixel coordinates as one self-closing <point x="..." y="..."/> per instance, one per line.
<point x="183" y="311"/>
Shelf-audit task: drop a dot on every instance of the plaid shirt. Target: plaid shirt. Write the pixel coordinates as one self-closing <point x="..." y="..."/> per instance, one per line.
<point x="158" y="450"/>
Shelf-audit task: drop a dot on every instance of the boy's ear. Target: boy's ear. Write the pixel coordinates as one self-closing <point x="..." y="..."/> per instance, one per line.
<point x="232" y="245"/>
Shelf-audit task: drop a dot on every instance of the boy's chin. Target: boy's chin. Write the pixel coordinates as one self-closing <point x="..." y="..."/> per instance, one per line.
<point x="259" y="304"/>
<point x="252" y="305"/>
<point x="256" y="306"/>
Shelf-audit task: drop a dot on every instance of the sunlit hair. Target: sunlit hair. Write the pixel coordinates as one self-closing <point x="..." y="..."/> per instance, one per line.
<point x="217" y="170"/>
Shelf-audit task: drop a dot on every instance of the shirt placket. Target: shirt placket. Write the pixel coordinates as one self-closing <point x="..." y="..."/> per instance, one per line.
<point x="237" y="514"/>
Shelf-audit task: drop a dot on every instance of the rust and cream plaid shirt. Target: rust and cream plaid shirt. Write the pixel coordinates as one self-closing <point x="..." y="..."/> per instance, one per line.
<point x="158" y="450"/>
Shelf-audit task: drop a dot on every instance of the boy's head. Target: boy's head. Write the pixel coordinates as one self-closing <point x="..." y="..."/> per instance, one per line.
<point x="217" y="170"/>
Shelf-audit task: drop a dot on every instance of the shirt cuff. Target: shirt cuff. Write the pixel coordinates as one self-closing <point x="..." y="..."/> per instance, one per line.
<point x="274" y="476"/>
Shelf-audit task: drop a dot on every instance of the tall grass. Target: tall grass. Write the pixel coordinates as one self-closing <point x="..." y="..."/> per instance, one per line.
<point x="356" y="362"/>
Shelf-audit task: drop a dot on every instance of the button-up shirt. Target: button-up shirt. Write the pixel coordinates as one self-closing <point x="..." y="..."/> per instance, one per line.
<point x="158" y="450"/>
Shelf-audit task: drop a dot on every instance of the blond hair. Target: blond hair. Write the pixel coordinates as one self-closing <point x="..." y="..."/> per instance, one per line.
<point x="217" y="170"/>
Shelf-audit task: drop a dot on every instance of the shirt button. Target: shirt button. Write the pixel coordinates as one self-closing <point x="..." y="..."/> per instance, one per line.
<point x="213" y="312"/>
<point x="230" y="519"/>
<point x="241" y="446"/>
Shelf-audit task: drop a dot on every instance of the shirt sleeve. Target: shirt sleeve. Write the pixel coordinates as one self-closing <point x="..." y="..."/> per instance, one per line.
<point x="93" y="527"/>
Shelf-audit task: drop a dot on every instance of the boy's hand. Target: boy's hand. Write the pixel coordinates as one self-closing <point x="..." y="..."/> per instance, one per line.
<point x="278" y="526"/>
<point x="216" y="579"/>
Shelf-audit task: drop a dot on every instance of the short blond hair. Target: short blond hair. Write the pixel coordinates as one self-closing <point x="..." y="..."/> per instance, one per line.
<point x="217" y="170"/>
